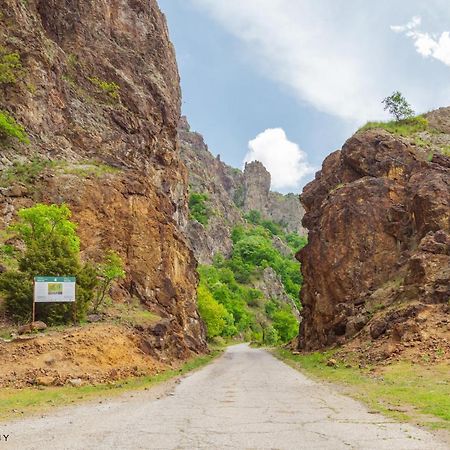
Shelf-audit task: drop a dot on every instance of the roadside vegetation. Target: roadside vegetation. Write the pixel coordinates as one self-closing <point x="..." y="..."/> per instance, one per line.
<point x="403" y="390"/>
<point x="229" y="302"/>
<point x="44" y="241"/>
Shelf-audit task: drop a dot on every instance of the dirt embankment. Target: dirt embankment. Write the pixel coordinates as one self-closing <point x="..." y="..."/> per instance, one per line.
<point x="95" y="353"/>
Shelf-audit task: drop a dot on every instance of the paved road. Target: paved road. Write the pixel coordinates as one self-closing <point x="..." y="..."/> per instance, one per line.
<point x="245" y="400"/>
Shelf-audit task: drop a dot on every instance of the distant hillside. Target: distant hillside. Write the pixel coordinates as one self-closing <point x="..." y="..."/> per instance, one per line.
<point x="245" y="237"/>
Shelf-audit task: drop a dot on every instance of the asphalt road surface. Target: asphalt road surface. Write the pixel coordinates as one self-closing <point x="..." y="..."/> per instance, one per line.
<point x="246" y="399"/>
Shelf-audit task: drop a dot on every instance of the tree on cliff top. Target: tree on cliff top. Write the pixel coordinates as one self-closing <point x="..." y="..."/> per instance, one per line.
<point x="397" y="105"/>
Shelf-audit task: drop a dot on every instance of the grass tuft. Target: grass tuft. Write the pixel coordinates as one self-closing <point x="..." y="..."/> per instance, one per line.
<point x="405" y="128"/>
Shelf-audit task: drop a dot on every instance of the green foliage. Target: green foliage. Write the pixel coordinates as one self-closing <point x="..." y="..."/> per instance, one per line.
<point x="17" y="290"/>
<point x="108" y="87"/>
<point x="52" y="249"/>
<point x="198" y="207"/>
<point x="10" y="67"/>
<point x="40" y="224"/>
<point x="286" y="324"/>
<point x="296" y="242"/>
<point x="229" y="283"/>
<point x="398" y="107"/>
<point x="270" y="336"/>
<point x="109" y="271"/>
<point x="9" y="128"/>
<point x="253" y="251"/>
<point x="212" y="312"/>
<point x="405" y="128"/>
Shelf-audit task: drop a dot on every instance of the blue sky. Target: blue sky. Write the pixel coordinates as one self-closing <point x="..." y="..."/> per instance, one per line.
<point x="288" y="81"/>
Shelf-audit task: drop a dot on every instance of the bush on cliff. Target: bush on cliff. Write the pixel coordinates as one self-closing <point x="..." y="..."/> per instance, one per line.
<point x="198" y="209"/>
<point x="9" y="128"/>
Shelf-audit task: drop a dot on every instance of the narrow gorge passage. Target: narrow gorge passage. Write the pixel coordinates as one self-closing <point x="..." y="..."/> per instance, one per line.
<point x="246" y="399"/>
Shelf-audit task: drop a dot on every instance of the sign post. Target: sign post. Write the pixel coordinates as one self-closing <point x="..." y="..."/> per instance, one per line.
<point x="53" y="290"/>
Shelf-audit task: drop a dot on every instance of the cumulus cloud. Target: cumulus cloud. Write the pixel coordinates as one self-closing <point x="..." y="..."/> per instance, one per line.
<point x="437" y="47"/>
<point x="284" y="159"/>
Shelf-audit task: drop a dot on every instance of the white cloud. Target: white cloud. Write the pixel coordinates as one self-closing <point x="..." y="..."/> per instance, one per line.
<point x="437" y="47"/>
<point x="306" y="46"/>
<point x="284" y="159"/>
<point x="413" y="23"/>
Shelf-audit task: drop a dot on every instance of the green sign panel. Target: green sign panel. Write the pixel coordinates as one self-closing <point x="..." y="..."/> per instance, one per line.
<point x="55" y="279"/>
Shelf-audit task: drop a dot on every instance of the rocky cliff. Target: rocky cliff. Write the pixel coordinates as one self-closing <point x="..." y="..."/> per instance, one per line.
<point x="97" y="92"/>
<point x="231" y="193"/>
<point x="377" y="265"/>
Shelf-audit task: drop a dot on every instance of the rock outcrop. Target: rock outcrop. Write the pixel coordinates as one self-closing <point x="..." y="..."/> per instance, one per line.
<point x="378" y="215"/>
<point x="231" y="193"/>
<point x="280" y="208"/>
<point x="99" y="97"/>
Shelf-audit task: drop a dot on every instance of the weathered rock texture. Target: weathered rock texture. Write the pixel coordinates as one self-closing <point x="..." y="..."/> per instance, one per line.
<point x="231" y="193"/>
<point x="68" y="49"/>
<point x="378" y="215"/>
<point x="280" y="208"/>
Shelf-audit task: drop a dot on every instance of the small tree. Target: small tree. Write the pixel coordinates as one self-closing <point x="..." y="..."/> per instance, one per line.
<point x="52" y="249"/>
<point x="397" y="106"/>
<point x="109" y="271"/>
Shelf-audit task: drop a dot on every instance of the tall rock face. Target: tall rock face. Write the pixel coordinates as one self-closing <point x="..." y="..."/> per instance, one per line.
<point x="378" y="260"/>
<point x="222" y="184"/>
<point x="99" y="96"/>
<point x="280" y="208"/>
<point x="231" y="193"/>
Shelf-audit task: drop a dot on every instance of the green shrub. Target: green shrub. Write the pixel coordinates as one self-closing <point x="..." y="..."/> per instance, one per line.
<point x="108" y="87"/>
<point x="108" y="272"/>
<point x="286" y="325"/>
<point x="26" y="172"/>
<point x="10" y="67"/>
<point x="213" y="313"/>
<point x="10" y="128"/>
<point x="404" y="128"/>
<point x="52" y="249"/>
<point x="270" y="336"/>
<point x="17" y="290"/>
<point x="198" y="208"/>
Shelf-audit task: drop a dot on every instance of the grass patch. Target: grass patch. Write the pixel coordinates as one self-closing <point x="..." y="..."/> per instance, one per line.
<point x="405" y="128"/>
<point x="15" y="403"/>
<point x="25" y="173"/>
<point x="87" y="169"/>
<point x="107" y="87"/>
<point x="423" y="391"/>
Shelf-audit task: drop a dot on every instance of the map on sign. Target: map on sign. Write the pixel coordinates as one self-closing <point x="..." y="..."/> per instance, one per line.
<point x="54" y="289"/>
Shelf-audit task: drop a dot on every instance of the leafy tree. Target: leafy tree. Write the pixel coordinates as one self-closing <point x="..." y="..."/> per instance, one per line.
<point x="52" y="249"/>
<point x="198" y="208"/>
<point x="109" y="271"/>
<point x="397" y="106"/>
<point x="215" y="315"/>
<point x="286" y="325"/>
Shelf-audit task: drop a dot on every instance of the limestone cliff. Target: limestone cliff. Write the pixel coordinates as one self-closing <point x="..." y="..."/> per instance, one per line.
<point x="378" y="260"/>
<point x="231" y="193"/>
<point x="99" y="98"/>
